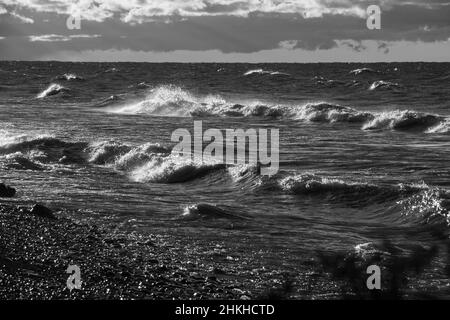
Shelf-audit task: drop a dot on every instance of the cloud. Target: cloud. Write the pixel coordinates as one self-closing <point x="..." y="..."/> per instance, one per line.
<point x="85" y="36"/>
<point x="60" y="38"/>
<point x="22" y="19"/>
<point x="288" y="44"/>
<point x="226" y="26"/>
<point x="354" y="45"/>
<point x="49" y="38"/>
<point x="139" y="11"/>
<point x="14" y="14"/>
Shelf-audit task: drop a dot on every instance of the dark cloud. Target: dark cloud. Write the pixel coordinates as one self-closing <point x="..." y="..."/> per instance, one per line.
<point x="401" y="21"/>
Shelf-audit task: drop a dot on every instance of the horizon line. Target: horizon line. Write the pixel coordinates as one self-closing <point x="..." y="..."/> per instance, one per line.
<point x="225" y="62"/>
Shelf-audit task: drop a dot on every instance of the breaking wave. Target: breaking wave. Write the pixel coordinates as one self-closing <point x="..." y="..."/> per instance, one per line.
<point x="431" y="206"/>
<point x="69" y="77"/>
<point x="149" y="162"/>
<point x="111" y="70"/>
<point x="262" y="72"/>
<point x="406" y="120"/>
<point x="122" y="156"/>
<point x="362" y="71"/>
<point x="209" y="211"/>
<point x="173" y="169"/>
<point x="106" y="152"/>
<point x="52" y="90"/>
<point x="169" y="101"/>
<point x="420" y="203"/>
<point x="24" y="142"/>
<point x="174" y="101"/>
<point x="442" y="127"/>
<point x="326" y="112"/>
<point x="154" y="163"/>
<point x="21" y="161"/>
<point x="312" y="184"/>
<point x="38" y="152"/>
<point x="380" y="84"/>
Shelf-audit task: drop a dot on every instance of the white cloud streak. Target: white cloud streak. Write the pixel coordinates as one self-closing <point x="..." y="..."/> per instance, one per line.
<point x="22" y="19"/>
<point x="60" y="38"/>
<point x="14" y="14"/>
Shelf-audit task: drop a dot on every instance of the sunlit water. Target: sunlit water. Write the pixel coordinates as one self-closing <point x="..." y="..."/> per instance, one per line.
<point x="363" y="156"/>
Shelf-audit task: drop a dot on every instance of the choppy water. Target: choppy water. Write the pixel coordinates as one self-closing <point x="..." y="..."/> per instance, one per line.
<point x="364" y="153"/>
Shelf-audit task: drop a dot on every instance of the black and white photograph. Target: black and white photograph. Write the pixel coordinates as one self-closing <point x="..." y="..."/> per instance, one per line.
<point x="241" y="151"/>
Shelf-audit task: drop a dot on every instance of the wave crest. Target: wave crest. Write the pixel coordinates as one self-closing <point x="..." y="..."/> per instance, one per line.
<point x="69" y="77"/>
<point x="169" y="101"/>
<point x="106" y="151"/>
<point x="430" y="206"/>
<point x="362" y="71"/>
<point x="403" y="120"/>
<point x="311" y="184"/>
<point x="381" y="84"/>
<point x="442" y="127"/>
<point x="262" y="72"/>
<point x="122" y="156"/>
<point x="326" y="112"/>
<point x="37" y="151"/>
<point x="204" y="210"/>
<point x="21" y="161"/>
<point x="174" y="101"/>
<point x="173" y="169"/>
<point x="52" y="90"/>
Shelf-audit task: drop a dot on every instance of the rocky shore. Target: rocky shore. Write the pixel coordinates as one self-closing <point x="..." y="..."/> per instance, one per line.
<point x="37" y="246"/>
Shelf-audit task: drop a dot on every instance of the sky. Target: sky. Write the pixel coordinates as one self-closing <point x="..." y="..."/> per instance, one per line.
<point x="224" y="30"/>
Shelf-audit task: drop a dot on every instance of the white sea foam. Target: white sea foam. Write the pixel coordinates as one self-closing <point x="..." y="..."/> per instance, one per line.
<point x="381" y="84"/>
<point x="402" y="120"/>
<point x="175" y="101"/>
<point x="362" y="70"/>
<point x="52" y="90"/>
<point x="311" y="183"/>
<point x="262" y="71"/>
<point x="172" y="169"/>
<point x="442" y="127"/>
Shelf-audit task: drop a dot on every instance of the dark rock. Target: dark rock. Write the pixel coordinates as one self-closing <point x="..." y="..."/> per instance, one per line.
<point x="41" y="211"/>
<point x="6" y="191"/>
